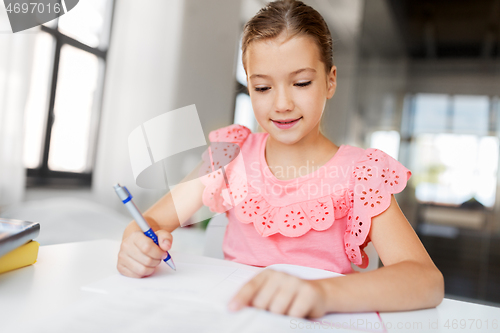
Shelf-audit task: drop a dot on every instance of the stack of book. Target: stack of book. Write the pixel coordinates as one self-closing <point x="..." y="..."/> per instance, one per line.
<point x="17" y="247"/>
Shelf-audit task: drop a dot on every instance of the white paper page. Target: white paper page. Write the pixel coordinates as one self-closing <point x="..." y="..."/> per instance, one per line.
<point x="136" y="312"/>
<point x="140" y="311"/>
<point x="209" y="295"/>
<point x="365" y="321"/>
<point x="223" y="292"/>
<point x="189" y="281"/>
<point x="266" y="321"/>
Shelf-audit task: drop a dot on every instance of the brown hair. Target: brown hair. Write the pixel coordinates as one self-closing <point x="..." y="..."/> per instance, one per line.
<point x="294" y="17"/>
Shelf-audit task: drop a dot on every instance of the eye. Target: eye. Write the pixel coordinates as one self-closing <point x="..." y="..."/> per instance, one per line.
<point x="302" y="84"/>
<point x="261" y="89"/>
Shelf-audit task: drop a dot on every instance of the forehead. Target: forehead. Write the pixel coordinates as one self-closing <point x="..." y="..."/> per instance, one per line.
<point x="279" y="57"/>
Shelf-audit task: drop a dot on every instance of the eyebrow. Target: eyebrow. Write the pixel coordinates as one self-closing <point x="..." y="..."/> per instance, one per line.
<point x="307" y="69"/>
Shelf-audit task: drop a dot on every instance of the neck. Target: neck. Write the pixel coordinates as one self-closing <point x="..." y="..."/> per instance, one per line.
<point x="311" y="151"/>
<point x="303" y="149"/>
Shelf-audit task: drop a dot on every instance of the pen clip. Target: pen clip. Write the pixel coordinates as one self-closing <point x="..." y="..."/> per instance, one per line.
<point x="129" y="196"/>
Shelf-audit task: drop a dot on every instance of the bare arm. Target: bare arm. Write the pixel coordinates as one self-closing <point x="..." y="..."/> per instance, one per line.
<point x="409" y="280"/>
<point x="165" y="215"/>
<point x="139" y="255"/>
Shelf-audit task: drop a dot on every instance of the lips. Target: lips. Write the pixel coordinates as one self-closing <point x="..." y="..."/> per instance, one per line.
<point x="285" y="123"/>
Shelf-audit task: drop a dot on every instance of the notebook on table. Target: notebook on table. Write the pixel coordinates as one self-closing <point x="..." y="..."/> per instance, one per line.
<point x="14" y="233"/>
<point x="206" y="290"/>
<point x="17" y="247"/>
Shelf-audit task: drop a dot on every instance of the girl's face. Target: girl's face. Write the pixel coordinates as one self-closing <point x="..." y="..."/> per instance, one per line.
<point x="288" y="86"/>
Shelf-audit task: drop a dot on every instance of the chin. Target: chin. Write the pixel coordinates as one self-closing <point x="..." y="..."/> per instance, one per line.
<point x="287" y="138"/>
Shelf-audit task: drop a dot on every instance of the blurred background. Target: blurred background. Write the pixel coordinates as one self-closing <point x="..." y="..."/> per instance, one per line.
<point x="418" y="79"/>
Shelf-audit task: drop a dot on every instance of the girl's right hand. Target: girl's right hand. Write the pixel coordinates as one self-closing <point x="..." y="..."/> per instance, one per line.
<point x="139" y="255"/>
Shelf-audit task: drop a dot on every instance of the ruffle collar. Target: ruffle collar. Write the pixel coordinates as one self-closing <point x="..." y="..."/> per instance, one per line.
<point x="293" y="220"/>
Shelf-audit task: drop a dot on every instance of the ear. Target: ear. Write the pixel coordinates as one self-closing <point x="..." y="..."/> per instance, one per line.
<point x="332" y="82"/>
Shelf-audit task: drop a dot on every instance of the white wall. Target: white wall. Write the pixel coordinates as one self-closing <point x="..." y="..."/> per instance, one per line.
<point x="207" y="68"/>
<point x="181" y="53"/>
<point x="16" y="59"/>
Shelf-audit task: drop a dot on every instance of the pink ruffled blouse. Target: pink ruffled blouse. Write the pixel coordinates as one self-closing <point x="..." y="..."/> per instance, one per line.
<point x="319" y="220"/>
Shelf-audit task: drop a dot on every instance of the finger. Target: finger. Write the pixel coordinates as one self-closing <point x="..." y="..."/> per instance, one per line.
<point x="303" y="302"/>
<point x="125" y="271"/>
<point x="285" y="296"/>
<point x="269" y="288"/>
<point x="165" y="239"/>
<point x="148" y="247"/>
<point x="143" y="258"/>
<point x="316" y="312"/>
<point x="134" y="251"/>
<point x="136" y="267"/>
<point x="245" y="295"/>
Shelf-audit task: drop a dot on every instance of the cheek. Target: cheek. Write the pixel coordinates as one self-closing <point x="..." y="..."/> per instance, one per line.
<point x="313" y="101"/>
<point x="260" y="105"/>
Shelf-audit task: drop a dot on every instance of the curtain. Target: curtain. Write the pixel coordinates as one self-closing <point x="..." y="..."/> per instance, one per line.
<point x="16" y="56"/>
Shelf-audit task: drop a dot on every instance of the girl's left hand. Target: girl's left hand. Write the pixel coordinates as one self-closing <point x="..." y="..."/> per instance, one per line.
<point x="282" y="293"/>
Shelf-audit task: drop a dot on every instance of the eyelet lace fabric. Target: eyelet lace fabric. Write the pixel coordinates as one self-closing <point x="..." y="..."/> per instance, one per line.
<point x="218" y="196"/>
<point x="375" y="176"/>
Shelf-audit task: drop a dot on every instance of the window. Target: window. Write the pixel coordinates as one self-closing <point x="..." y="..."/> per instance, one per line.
<point x="387" y="141"/>
<point x="63" y="106"/>
<point x="455" y="148"/>
<point x="243" y="114"/>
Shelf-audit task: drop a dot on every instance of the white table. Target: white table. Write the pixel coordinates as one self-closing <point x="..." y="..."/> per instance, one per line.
<point x="53" y="283"/>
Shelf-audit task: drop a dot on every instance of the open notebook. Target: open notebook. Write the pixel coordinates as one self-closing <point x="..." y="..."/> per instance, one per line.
<point x="193" y="299"/>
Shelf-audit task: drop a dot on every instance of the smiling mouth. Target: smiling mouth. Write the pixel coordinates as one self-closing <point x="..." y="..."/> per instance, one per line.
<point x="286" y="122"/>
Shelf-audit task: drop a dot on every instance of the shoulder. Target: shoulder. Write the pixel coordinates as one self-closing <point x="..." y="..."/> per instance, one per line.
<point x="351" y="152"/>
<point x="376" y="170"/>
<point x="372" y="156"/>
<point x="233" y="133"/>
<point x="384" y="164"/>
<point x="347" y="156"/>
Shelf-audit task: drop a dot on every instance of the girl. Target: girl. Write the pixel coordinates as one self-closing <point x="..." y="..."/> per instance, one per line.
<point x="280" y="209"/>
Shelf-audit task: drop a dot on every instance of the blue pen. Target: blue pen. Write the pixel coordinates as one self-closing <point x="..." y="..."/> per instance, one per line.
<point x="126" y="198"/>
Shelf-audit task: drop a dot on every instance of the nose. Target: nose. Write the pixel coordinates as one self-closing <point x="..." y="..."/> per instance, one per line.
<point x="283" y="100"/>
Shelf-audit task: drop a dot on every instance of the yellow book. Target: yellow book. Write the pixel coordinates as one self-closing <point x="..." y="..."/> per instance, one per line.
<point x="24" y="255"/>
